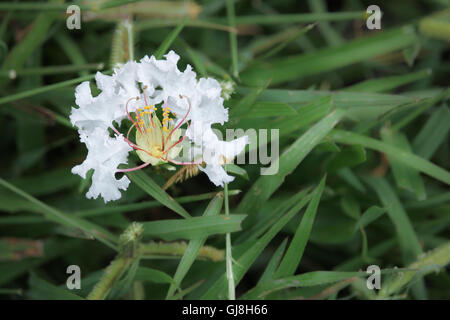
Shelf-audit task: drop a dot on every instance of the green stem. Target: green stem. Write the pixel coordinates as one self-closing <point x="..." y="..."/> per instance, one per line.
<point x="48" y="70"/>
<point x="33" y="92"/>
<point x="233" y="37"/>
<point x="229" y="257"/>
<point x="130" y="41"/>
<point x="111" y="275"/>
<point x="129" y="244"/>
<point x="156" y="249"/>
<point x="48" y="6"/>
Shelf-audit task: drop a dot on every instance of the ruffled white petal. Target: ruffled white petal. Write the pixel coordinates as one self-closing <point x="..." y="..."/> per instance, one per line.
<point x="105" y="154"/>
<point x="216" y="153"/>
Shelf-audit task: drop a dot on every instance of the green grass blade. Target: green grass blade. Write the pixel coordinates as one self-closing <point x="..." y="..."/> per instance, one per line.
<point x="296" y="18"/>
<point x="245" y="260"/>
<point x="233" y="37"/>
<point x="165" y="45"/>
<point x="432" y="261"/>
<point x="303" y="280"/>
<point x="41" y="289"/>
<point x="295" y="67"/>
<point x="407" y="237"/>
<point x="273" y="264"/>
<point x="387" y="84"/>
<point x="20" y="53"/>
<point x="44" y="89"/>
<point x="405" y="177"/>
<point x="194" y="246"/>
<point x="332" y="37"/>
<point x="152" y="188"/>
<point x="261" y="109"/>
<point x="59" y="217"/>
<point x="266" y="185"/>
<point x="433" y="133"/>
<point x="298" y="244"/>
<point x="192" y="228"/>
<point x="402" y="156"/>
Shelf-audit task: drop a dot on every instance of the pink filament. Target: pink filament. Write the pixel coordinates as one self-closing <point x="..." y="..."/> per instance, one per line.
<point x="135" y="168"/>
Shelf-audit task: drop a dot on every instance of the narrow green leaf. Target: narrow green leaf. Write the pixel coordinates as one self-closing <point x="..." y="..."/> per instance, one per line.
<point x="402" y="156"/>
<point x="57" y="216"/>
<point x="303" y="280"/>
<point x="262" y="109"/>
<point x="153" y="275"/>
<point x="43" y="89"/>
<point x="405" y="177"/>
<point x="433" y="133"/>
<point x="20" y="53"/>
<point x="432" y="261"/>
<point x="194" y="246"/>
<point x="287" y="69"/>
<point x="243" y="106"/>
<point x="165" y="45"/>
<point x="152" y="188"/>
<point x="218" y="289"/>
<point x="236" y="170"/>
<point x="387" y="84"/>
<point x="273" y="264"/>
<point x="370" y="215"/>
<point x="298" y="244"/>
<point x="348" y="157"/>
<point x="193" y="228"/>
<point x="41" y="289"/>
<point x="231" y="17"/>
<point x="266" y="185"/>
<point x="407" y="238"/>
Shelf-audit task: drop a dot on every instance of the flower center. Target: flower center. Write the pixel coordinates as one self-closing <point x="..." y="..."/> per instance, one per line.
<point x="156" y="142"/>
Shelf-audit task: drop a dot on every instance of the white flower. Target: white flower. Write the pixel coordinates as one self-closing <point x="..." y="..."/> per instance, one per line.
<point x="136" y="91"/>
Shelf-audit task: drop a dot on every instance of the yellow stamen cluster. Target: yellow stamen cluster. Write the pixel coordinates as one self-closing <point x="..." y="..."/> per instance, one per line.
<point x="166" y="118"/>
<point x="148" y="110"/>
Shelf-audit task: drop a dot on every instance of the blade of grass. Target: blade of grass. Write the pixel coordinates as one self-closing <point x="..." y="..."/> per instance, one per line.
<point x="387" y="84"/>
<point x="273" y="264"/>
<point x="165" y="45"/>
<point x="405" y="177"/>
<point x="193" y="228"/>
<point x="233" y="37"/>
<point x="152" y="188"/>
<point x="443" y="95"/>
<point x="246" y="259"/>
<point x="296" y="18"/>
<point x="44" y="89"/>
<point x="407" y="237"/>
<point x="298" y="244"/>
<point x="402" y="156"/>
<point x="332" y="37"/>
<point x="303" y="280"/>
<point x="287" y="69"/>
<point x="20" y="53"/>
<point x="266" y="185"/>
<point x="430" y="262"/>
<point x="59" y="217"/>
<point x="283" y="44"/>
<point x="433" y="133"/>
<point x="193" y="247"/>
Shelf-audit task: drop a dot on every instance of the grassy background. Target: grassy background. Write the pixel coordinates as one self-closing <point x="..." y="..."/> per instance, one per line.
<point x="363" y="173"/>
